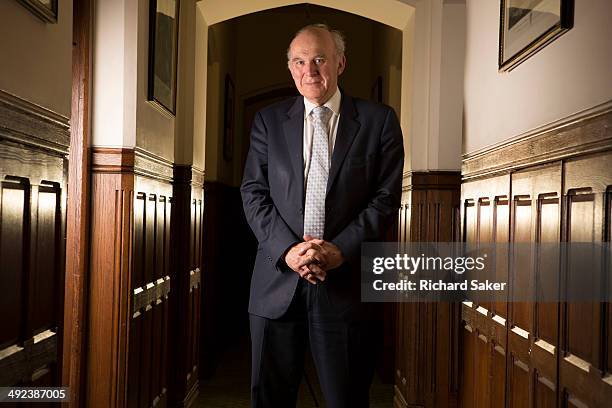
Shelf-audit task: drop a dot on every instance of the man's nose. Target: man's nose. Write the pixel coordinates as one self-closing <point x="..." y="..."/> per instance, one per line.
<point x="312" y="68"/>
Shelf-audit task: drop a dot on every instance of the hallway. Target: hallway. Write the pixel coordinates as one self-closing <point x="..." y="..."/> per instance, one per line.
<point x="125" y="256"/>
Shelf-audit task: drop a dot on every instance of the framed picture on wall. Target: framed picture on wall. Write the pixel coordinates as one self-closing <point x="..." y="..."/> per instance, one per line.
<point x="228" y="118"/>
<point x="46" y="10"/>
<point x="163" y="35"/>
<point x="526" y="26"/>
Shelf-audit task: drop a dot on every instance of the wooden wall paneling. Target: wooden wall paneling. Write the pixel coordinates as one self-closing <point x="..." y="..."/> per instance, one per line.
<point x="14" y="209"/>
<point x="469" y="233"/>
<point x="138" y="281"/>
<point x="78" y="209"/>
<point x="545" y="343"/>
<point x="33" y="174"/>
<point x="146" y="340"/>
<point x="153" y="194"/>
<point x="521" y="281"/>
<point x="111" y="254"/>
<point x="129" y="284"/>
<point x="195" y="276"/>
<point x="184" y="306"/>
<point x="402" y="355"/>
<point x="535" y="219"/>
<point x="585" y="378"/>
<point x="557" y="354"/>
<point x="133" y="388"/>
<point x="427" y="363"/>
<point x="485" y="221"/>
<point x="499" y="313"/>
<point x="48" y="289"/>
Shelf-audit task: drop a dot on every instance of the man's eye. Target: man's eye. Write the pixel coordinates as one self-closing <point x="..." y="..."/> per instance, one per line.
<point x="299" y="63"/>
<point x="319" y="61"/>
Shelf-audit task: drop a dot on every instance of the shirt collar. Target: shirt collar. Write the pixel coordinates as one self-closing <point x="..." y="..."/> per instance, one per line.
<point x="333" y="103"/>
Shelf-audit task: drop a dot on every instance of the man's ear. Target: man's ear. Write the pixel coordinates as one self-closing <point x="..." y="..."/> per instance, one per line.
<point x="341" y="64"/>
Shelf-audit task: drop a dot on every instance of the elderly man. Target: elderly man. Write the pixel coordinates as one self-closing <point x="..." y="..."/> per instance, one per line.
<point x="323" y="175"/>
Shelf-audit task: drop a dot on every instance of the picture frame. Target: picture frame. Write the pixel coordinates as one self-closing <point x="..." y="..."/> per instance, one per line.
<point x="228" y="118"/>
<point x="163" y="44"/>
<point x="527" y="26"/>
<point x="46" y="10"/>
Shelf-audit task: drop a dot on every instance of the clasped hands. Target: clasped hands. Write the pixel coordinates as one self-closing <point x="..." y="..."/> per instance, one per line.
<point x="312" y="258"/>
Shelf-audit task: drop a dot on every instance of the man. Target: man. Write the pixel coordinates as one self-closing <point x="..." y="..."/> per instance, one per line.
<point x="323" y="175"/>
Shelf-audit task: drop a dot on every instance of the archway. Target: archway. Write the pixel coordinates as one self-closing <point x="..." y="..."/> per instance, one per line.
<point x="420" y="23"/>
<point x="247" y="56"/>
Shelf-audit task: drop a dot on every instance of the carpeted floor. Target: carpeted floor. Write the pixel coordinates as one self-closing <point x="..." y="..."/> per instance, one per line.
<point x="229" y="386"/>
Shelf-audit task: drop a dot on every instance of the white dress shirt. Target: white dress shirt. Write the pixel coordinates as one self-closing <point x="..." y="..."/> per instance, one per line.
<point x="334" y="105"/>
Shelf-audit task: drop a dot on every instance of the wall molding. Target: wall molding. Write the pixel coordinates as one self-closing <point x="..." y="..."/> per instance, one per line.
<point x="28" y="123"/>
<point x="131" y="161"/>
<point x="112" y="160"/>
<point x="188" y="174"/>
<point x="583" y="133"/>
<point x="150" y="165"/>
<point x="433" y="179"/>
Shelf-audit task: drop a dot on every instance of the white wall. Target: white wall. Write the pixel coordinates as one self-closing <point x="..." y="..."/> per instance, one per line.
<point x="114" y="64"/>
<point x="571" y="74"/>
<point x="154" y="125"/>
<point x="36" y="62"/>
<point x="121" y="114"/>
<point x="452" y="62"/>
<point x="432" y="91"/>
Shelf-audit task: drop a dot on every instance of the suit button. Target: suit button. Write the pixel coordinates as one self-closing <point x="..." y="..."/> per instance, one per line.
<point x="301" y="211"/>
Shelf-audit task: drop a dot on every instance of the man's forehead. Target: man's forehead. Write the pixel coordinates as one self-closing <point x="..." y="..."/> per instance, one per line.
<point x="298" y="51"/>
<point x="312" y="41"/>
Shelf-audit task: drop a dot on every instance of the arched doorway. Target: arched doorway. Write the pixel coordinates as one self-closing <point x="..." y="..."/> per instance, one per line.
<point x="246" y="64"/>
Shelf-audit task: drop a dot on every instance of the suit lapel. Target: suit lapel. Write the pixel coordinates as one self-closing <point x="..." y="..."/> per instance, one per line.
<point x="293" y="128"/>
<point x="347" y="129"/>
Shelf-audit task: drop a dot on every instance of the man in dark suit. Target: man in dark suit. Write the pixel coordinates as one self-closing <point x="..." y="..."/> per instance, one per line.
<point x="323" y="175"/>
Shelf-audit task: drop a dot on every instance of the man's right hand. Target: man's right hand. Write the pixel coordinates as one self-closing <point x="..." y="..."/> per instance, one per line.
<point x="306" y="265"/>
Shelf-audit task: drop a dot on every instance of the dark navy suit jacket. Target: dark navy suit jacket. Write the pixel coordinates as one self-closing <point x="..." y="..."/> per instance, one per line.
<point x="363" y="196"/>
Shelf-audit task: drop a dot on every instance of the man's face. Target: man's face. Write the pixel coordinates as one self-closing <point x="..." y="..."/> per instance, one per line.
<point x="315" y="65"/>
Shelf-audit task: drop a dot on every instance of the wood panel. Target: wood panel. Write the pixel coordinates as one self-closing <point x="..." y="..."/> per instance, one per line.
<point x="111" y="269"/>
<point x="427" y="344"/>
<point x="33" y="176"/>
<point x="543" y="354"/>
<point x="152" y="284"/>
<point x="184" y="329"/>
<point x="585" y="376"/>
<point x="485" y="220"/>
<point x="77" y="218"/>
<point x="130" y="278"/>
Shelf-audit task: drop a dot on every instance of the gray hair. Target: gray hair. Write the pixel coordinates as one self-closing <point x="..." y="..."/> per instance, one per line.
<point x="336" y="35"/>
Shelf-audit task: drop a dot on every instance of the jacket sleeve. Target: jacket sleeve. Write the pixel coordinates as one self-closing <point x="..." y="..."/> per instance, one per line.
<point x="273" y="234"/>
<point x="373" y="220"/>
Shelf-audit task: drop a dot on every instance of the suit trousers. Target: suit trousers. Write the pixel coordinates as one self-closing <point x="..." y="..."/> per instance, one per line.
<point x="343" y="349"/>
